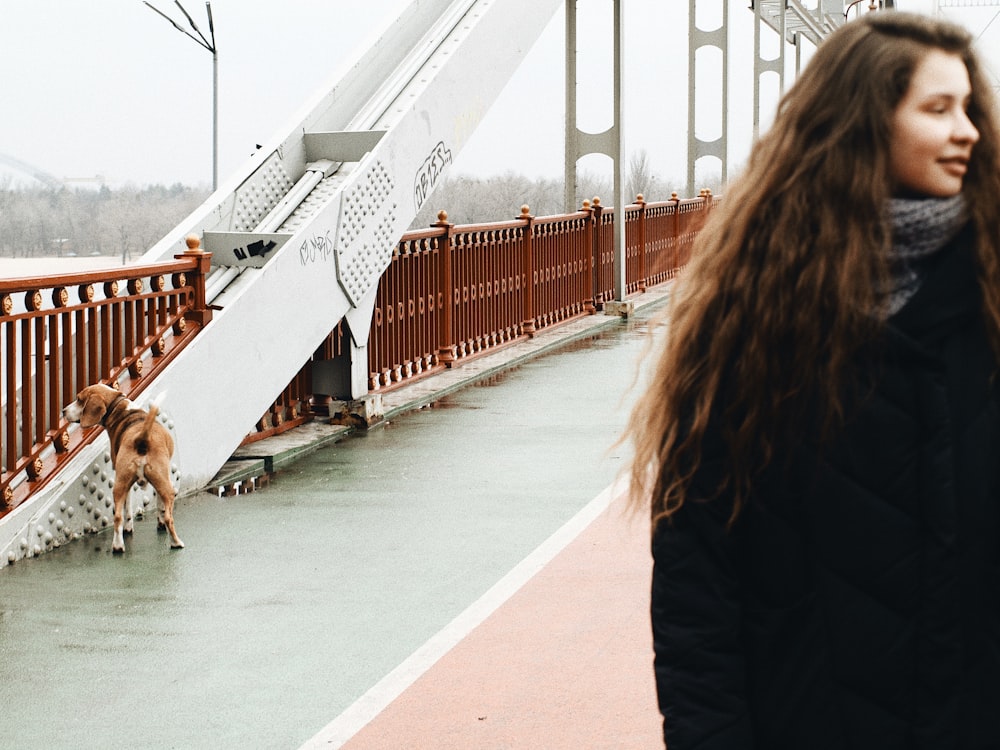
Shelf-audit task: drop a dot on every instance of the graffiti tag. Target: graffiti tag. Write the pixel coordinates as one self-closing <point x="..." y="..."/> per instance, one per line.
<point x="432" y="169"/>
<point x="316" y="249"/>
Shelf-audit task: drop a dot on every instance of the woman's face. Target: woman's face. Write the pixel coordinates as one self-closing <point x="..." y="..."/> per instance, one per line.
<point x="932" y="136"/>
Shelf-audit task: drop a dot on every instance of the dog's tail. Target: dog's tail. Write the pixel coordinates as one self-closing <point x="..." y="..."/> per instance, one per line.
<point x="141" y="442"/>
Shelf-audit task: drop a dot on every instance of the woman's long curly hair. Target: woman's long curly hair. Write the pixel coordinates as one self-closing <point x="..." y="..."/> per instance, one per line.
<point x="786" y="274"/>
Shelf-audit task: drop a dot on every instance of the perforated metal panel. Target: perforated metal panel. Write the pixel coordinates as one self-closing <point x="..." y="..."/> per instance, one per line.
<point x="259" y="194"/>
<point x="366" y="234"/>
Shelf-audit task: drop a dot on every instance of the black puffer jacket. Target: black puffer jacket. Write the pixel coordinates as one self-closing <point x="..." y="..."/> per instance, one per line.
<point x="855" y="605"/>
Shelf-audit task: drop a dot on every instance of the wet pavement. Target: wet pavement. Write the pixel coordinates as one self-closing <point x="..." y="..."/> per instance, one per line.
<point x="291" y="605"/>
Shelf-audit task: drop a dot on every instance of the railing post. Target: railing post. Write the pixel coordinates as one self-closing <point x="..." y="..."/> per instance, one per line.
<point x="677" y="213"/>
<point x="676" y="241"/>
<point x="588" y="249"/>
<point x="597" y="210"/>
<point x="641" y="281"/>
<point x="446" y="292"/>
<point x="528" y="260"/>
<point x="709" y="203"/>
<point x="200" y="313"/>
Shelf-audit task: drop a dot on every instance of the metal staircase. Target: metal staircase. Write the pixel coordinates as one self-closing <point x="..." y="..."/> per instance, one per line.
<point x="792" y="20"/>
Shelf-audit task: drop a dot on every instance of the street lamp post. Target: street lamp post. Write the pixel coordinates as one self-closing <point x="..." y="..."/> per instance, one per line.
<point x="210" y="45"/>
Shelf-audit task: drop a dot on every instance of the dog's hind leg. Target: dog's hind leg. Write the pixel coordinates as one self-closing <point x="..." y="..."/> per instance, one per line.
<point x="121" y="493"/>
<point x="165" y="504"/>
<point x="129" y="514"/>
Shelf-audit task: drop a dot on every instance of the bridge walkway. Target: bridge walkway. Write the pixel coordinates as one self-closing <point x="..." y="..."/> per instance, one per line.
<point x="463" y="577"/>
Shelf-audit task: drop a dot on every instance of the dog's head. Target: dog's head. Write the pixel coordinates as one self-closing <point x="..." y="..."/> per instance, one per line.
<point x="91" y="405"/>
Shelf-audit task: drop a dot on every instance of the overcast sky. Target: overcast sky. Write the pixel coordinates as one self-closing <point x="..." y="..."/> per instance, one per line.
<point x="108" y="88"/>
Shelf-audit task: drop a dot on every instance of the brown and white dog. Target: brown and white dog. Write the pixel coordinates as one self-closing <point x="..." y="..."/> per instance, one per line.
<point x="140" y="451"/>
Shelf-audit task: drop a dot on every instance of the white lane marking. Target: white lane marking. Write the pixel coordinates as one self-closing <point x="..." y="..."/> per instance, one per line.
<point x="385" y="691"/>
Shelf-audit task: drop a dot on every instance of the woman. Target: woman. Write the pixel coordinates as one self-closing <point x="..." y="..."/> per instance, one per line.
<point x="820" y="441"/>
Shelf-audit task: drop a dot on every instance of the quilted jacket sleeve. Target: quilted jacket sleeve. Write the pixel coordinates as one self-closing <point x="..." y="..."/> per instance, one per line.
<point x="696" y="616"/>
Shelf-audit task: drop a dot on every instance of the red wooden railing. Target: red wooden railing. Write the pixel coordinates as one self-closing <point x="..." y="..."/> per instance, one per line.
<point x="453" y="292"/>
<point x="450" y="293"/>
<point x="511" y="279"/>
<point x="60" y="333"/>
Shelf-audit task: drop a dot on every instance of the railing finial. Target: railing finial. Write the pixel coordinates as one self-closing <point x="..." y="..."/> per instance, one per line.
<point x="193" y="243"/>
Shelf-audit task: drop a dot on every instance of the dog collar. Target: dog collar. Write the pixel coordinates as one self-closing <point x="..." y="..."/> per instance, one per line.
<point x="111" y="407"/>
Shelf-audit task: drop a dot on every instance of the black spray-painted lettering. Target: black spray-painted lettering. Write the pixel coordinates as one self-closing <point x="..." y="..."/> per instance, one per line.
<point x="256" y="249"/>
<point x="316" y="249"/>
<point x="427" y="177"/>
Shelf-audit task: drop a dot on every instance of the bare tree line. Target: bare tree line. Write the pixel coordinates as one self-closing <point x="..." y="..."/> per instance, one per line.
<point x="125" y="222"/>
<point x="477" y="200"/>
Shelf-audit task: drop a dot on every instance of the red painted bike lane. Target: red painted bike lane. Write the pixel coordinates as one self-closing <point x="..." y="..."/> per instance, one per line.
<point x="564" y="662"/>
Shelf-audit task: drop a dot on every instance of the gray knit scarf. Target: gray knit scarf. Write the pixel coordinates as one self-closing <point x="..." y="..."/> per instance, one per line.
<point x="921" y="228"/>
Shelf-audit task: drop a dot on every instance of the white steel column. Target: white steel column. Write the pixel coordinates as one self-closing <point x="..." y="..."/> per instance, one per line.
<point x="571" y="141"/>
<point x="697" y="39"/>
<point x="619" y="161"/>
<point x="762" y="65"/>
<point x="609" y="143"/>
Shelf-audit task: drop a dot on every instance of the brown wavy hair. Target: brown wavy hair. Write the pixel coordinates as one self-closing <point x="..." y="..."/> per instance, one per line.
<point x="784" y="277"/>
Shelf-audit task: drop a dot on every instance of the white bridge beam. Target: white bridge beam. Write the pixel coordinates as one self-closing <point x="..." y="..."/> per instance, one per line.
<point x="301" y="235"/>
